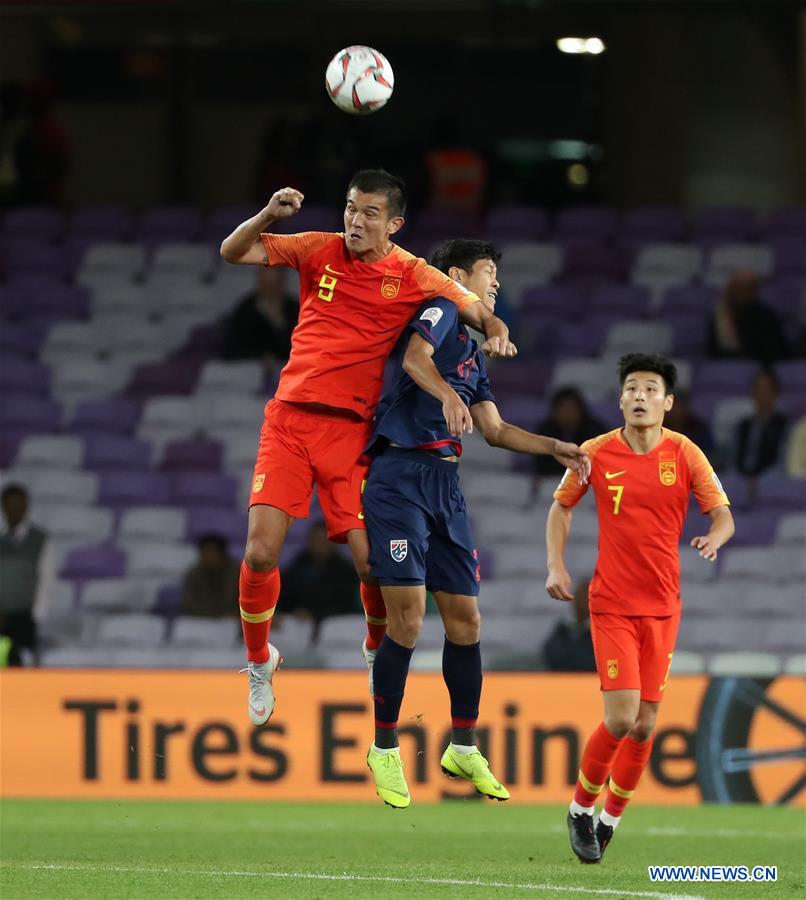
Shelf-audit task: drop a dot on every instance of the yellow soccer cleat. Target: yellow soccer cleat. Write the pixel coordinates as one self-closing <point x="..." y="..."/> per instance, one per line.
<point x="390" y="783"/>
<point x="473" y="767"/>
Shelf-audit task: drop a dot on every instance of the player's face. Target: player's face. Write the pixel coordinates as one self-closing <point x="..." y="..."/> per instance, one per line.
<point x="482" y="280"/>
<point x="644" y="400"/>
<point x="367" y="222"/>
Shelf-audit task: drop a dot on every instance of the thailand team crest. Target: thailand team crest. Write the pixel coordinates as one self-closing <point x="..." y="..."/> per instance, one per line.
<point x="612" y="669"/>
<point x="399" y="550"/>
<point x="259" y="482"/>
<point x="390" y="286"/>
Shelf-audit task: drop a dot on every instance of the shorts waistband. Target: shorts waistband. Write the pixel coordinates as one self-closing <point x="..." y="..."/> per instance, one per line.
<point x="421" y="457"/>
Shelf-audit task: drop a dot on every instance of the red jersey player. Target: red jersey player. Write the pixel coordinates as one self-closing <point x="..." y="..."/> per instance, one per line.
<point x="641" y="476"/>
<point x="357" y="293"/>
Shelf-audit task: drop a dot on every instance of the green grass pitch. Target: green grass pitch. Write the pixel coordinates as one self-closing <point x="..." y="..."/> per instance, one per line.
<point x="108" y="849"/>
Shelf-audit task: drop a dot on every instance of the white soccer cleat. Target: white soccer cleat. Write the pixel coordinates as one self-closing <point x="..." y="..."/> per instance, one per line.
<point x="369" y="656"/>
<point x="261" y="693"/>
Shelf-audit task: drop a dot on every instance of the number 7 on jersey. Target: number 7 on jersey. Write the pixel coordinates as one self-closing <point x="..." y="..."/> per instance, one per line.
<point x="618" y="490"/>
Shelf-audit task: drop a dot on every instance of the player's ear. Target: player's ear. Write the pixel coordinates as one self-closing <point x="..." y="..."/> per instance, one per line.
<point x="668" y="403"/>
<point x="456" y="274"/>
<point x="395" y="224"/>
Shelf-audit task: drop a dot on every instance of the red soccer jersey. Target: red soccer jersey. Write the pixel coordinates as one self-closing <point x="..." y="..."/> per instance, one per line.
<point x="351" y="314"/>
<point x="641" y="502"/>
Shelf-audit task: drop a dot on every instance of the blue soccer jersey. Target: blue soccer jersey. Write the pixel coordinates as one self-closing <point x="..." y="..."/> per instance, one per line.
<point x="408" y="416"/>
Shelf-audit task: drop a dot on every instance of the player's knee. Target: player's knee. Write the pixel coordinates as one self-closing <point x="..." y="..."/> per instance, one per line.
<point x="464" y="627"/>
<point x="404" y="624"/>
<point x="620" y="724"/>
<point x="260" y="554"/>
<point x="642" y="730"/>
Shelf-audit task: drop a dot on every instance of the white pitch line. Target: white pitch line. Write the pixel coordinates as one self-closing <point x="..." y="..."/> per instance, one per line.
<point x="346" y="876"/>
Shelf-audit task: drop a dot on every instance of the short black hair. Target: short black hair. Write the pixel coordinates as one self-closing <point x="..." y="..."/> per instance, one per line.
<point x="569" y="393"/>
<point x="379" y="181"/>
<point x="218" y="540"/>
<point x="11" y="490"/>
<point x="768" y="372"/>
<point x="648" y="362"/>
<point x="463" y="254"/>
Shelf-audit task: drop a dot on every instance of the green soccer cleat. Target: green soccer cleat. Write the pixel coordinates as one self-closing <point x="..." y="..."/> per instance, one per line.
<point x="390" y="783"/>
<point x="473" y="767"/>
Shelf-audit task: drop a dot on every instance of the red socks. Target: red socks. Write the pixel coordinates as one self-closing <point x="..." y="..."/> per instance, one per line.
<point x="627" y="770"/>
<point x="597" y="761"/>
<point x="375" y="611"/>
<point x="259" y="592"/>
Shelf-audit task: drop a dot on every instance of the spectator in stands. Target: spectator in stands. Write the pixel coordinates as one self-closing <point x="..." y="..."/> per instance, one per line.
<point x="796" y="450"/>
<point x="569" y="648"/>
<point x="210" y="587"/>
<point x="743" y="326"/>
<point x="569" y="420"/>
<point x="759" y="438"/>
<point x="260" y="326"/>
<point x="457" y="174"/>
<point x="23" y="576"/>
<point x="320" y="582"/>
<point x="681" y="419"/>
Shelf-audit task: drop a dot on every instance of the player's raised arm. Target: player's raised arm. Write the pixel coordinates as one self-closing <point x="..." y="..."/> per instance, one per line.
<point x="418" y="364"/>
<point x="245" y="246"/>
<point x="558" y="527"/>
<point x="498" y="344"/>
<point x="499" y="433"/>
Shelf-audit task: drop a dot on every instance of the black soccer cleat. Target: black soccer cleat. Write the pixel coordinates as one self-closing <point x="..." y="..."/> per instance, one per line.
<point x="583" y="838"/>
<point x="604" y="834"/>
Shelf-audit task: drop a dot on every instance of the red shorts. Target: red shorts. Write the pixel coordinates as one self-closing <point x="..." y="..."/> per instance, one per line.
<point x="300" y="448"/>
<point x="634" y="653"/>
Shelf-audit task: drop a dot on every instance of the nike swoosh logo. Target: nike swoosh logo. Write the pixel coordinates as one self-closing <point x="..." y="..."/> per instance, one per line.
<point x="259" y="712"/>
<point x="333" y="271"/>
<point x="609" y="475"/>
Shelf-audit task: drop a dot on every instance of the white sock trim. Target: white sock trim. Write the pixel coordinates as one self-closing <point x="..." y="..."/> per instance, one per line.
<point x="384" y="750"/>
<point x="606" y="819"/>
<point x="464" y="749"/>
<point x="577" y="810"/>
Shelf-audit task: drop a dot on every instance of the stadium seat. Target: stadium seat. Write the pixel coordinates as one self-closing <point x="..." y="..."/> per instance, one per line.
<point x="727" y="415"/>
<point x="99" y="561"/>
<point x="503" y="596"/>
<point x="504" y="490"/>
<point x="684" y="662"/>
<point x="229" y="523"/>
<point x="45" y="223"/>
<point x="745" y="664"/>
<point x="219" y="377"/>
<point x="628" y="337"/>
<point x="796" y="665"/>
<point x="725" y="260"/>
<point x="166" y="419"/>
<point x="132" y="630"/>
<point x="196" y="261"/>
<point x="593" y="377"/>
<point x="112" y="258"/>
<point x="80" y="524"/>
<point x="653" y="223"/>
<point x="116" y="452"/>
<point x="196" y="455"/>
<point x="659" y="267"/>
<point x="68" y="341"/>
<point x="112" y="416"/>
<point x="121" y="594"/>
<point x="52" y="452"/>
<point x="47" y="486"/>
<point x="791" y="529"/>
<point x="102" y="223"/>
<point x="506" y="224"/>
<point x="176" y="223"/>
<point x="152" y="523"/>
<point x="194" y="631"/>
<point x="210" y="490"/>
<point x="725" y="223"/>
<point x="124" y="487"/>
<point x="530" y="263"/>
<point x="238" y="412"/>
<point x="159" y="560"/>
<point x="586" y="221"/>
<point x="77" y="380"/>
<point x="343" y="631"/>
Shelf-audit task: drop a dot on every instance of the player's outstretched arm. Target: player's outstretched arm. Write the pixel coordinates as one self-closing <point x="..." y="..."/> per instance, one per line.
<point x="722" y="530"/>
<point x="244" y="246"/>
<point x="499" y="433"/>
<point x="558" y="527"/>
<point x="418" y="364"/>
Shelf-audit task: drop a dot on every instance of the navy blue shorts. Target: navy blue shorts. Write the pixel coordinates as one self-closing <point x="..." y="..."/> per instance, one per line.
<point x="418" y="525"/>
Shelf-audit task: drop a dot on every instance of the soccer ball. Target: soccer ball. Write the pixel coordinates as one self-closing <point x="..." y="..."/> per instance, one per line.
<point x="359" y="80"/>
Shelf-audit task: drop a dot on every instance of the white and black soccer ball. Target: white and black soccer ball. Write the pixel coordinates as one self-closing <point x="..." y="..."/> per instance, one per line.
<point x="359" y="80"/>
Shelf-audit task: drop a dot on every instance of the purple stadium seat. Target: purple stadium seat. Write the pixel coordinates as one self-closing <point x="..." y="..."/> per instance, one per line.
<point x="521" y="410"/>
<point x="788" y="220"/>
<point x="653" y="224"/>
<point x="203" y="342"/>
<point x="9" y="444"/>
<point x="181" y="223"/>
<point x="126" y="488"/>
<point x="56" y="301"/>
<point x="690" y="332"/>
<point x="30" y="413"/>
<point x="103" y="561"/>
<point x="730" y="376"/>
<point x="583" y="337"/>
<point x="781" y="492"/>
<point x="169" y="601"/>
<point x="22" y="256"/>
<point x="115" y="453"/>
<point x="516" y="223"/>
<point x="789" y="254"/>
<point x="45" y="223"/>
<point x="586" y="221"/>
<point x="694" y="298"/>
<point x="535" y="331"/>
<point x="230" y="524"/>
<point x="556" y="300"/>
<point x="195" y="456"/>
<point x="224" y="220"/>
<point x="153" y="379"/>
<point x="728" y="223"/>
<point x="625" y="300"/>
<point x="591" y="256"/>
<point x="210" y="490"/>
<point x="108" y="223"/>
<point x="755" y="526"/>
<point x="439" y="224"/>
<point x="520" y="377"/>
<point x="19" y="375"/>
<point x="21" y="338"/>
<point x="115" y="416"/>
<point x="792" y="374"/>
